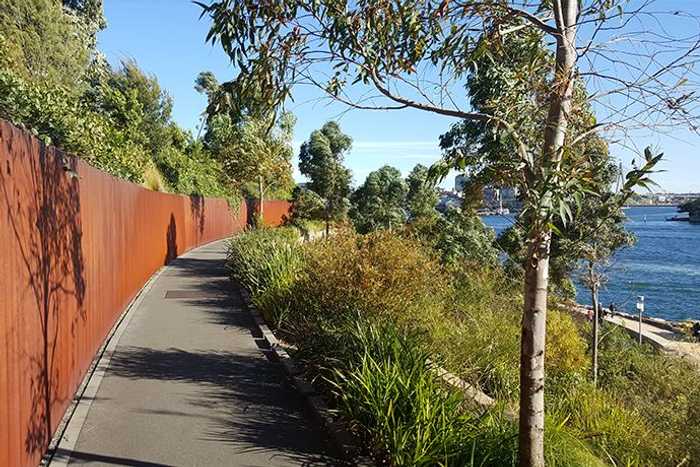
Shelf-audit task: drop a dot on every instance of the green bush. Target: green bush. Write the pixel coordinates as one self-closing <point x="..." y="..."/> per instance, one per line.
<point x="663" y="389"/>
<point x="379" y="274"/>
<point x="382" y="380"/>
<point x="480" y="337"/>
<point x="394" y="399"/>
<point x="267" y="262"/>
<point x="116" y="120"/>
<point x="458" y="237"/>
<point x="58" y="118"/>
<point x="191" y="170"/>
<point x="618" y="433"/>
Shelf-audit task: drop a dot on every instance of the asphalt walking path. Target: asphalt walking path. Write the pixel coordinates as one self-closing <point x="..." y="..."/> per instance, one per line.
<point x="188" y="386"/>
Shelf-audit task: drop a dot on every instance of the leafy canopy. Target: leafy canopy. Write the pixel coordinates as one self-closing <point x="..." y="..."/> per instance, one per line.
<point x="254" y="154"/>
<point x="321" y="160"/>
<point x="422" y="196"/>
<point x="54" y="82"/>
<point x="380" y="201"/>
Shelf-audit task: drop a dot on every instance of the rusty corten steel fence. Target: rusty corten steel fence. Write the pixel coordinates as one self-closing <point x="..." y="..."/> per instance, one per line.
<point x="275" y="212"/>
<point x="74" y="250"/>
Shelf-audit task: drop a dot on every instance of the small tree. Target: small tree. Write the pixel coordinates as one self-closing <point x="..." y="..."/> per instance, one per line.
<point x="461" y="237"/>
<point x="422" y="196"/>
<point x="597" y="250"/>
<point x="597" y="232"/>
<point x="379" y="202"/>
<point x="307" y="205"/>
<point x="255" y="153"/>
<point x="321" y="159"/>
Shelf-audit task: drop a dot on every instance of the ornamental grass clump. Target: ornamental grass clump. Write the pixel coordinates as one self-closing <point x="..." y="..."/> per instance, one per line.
<point x="386" y="384"/>
<point x="267" y="262"/>
<point x="394" y="401"/>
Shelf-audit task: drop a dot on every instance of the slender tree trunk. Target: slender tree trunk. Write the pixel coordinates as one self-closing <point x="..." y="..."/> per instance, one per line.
<point x="261" y="200"/>
<point x="533" y="335"/>
<point x="596" y="317"/>
<point x="532" y="347"/>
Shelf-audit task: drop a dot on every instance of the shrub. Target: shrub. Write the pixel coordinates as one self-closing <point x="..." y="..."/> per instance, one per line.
<point x="266" y="262"/>
<point x="383" y="382"/>
<point x="152" y="179"/>
<point x="393" y="398"/>
<point x="618" y="433"/>
<point x="379" y="274"/>
<point x="480" y="340"/>
<point x="191" y="170"/>
<point x="663" y="389"/>
<point x="460" y="239"/>
<point x="74" y="122"/>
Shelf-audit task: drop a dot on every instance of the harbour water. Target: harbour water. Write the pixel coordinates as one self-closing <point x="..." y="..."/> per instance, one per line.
<point x="663" y="265"/>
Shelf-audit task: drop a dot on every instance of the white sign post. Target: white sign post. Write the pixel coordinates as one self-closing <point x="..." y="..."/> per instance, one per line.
<point x="640" y="309"/>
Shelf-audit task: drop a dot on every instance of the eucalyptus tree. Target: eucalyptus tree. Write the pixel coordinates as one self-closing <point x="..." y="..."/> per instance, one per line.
<point x="321" y="160"/>
<point x="417" y="55"/>
<point x="597" y="232"/>
<point x="422" y="196"/>
<point x="379" y="202"/>
<point x="253" y="152"/>
<point x="50" y="40"/>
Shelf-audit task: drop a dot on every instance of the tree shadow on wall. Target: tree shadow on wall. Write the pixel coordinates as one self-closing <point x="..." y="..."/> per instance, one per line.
<point x="171" y="241"/>
<point x="197" y="211"/>
<point x="40" y="193"/>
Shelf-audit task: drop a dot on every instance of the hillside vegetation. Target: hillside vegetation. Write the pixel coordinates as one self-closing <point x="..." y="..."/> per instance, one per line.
<point x="57" y="84"/>
<point x="372" y="315"/>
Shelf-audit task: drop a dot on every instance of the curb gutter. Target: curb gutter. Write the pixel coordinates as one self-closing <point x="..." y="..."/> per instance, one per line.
<point x="344" y="441"/>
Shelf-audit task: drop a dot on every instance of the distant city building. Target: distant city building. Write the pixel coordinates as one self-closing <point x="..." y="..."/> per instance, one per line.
<point x="496" y="198"/>
<point x="448" y="199"/>
<point x="662" y="199"/>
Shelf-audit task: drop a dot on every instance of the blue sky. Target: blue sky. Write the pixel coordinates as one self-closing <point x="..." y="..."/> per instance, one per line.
<point x="166" y="38"/>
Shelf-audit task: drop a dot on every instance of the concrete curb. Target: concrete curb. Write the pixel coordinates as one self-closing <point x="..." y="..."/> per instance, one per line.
<point x="344" y="441"/>
<point x="472" y="393"/>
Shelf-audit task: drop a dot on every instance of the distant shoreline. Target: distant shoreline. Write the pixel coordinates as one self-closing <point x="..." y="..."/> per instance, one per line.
<point x="651" y="205"/>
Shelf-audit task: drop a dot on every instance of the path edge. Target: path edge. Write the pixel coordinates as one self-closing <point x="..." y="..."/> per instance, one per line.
<point x="343" y="440"/>
<point x="66" y="436"/>
<point x="68" y="432"/>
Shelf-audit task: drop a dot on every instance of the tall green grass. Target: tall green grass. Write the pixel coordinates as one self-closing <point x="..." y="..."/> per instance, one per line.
<point x="267" y="262"/>
<point x="387" y="385"/>
<point x="390" y="393"/>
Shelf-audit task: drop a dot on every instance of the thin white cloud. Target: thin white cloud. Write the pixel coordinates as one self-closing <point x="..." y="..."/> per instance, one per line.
<point x="393" y="144"/>
<point x="354" y="155"/>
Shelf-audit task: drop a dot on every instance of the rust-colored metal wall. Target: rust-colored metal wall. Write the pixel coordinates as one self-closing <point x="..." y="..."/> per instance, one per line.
<point x="73" y="252"/>
<point x="275" y="212"/>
